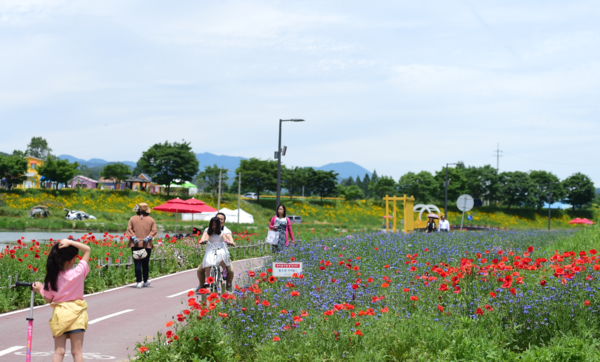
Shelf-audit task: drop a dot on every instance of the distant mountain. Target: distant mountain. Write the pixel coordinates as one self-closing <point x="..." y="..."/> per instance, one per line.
<point x="346" y="169"/>
<point x="94" y="162"/>
<point x="3" y="154"/>
<point x="598" y="191"/>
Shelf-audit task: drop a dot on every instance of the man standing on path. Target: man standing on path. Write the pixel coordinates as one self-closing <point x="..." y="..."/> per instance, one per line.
<point x="141" y="230"/>
<point x="201" y="274"/>
<point x="444" y="224"/>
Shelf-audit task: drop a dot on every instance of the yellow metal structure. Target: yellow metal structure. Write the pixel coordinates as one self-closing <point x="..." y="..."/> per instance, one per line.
<point x="409" y="218"/>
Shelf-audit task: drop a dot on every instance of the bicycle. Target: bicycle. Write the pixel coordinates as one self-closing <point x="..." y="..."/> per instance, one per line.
<point x="216" y="272"/>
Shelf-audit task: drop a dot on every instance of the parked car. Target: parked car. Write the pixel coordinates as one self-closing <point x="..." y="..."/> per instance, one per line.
<point x="78" y="215"/>
<point x="250" y="195"/>
<point x="295" y="219"/>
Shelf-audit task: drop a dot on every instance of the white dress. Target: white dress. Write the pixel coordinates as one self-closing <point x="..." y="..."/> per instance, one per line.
<point x="216" y="251"/>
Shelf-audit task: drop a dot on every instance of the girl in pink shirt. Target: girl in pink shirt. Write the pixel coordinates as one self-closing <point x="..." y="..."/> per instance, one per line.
<point x="63" y="287"/>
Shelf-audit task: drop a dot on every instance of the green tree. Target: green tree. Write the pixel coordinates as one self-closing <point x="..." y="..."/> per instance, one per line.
<point x="323" y="183"/>
<point x="579" y="189"/>
<point x="351" y="192"/>
<point x="481" y="182"/>
<point x="422" y="186"/>
<point x="210" y="176"/>
<point x="457" y="183"/>
<point x="347" y="182"/>
<point x="38" y="148"/>
<point x="85" y="171"/>
<point x="168" y="163"/>
<point x="258" y="175"/>
<point x="293" y="179"/>
<point x="58" y="171"/>
<point x="381" y="186"/>
<point x="13" y="168"/>
<point x="118" y="172"/>
<point x="364" y="184"/>
<point x="515" y="188"/>
<point x="541" y="188"/>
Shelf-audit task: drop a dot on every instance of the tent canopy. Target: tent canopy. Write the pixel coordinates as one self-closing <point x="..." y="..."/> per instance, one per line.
<point x="231" y="216"/>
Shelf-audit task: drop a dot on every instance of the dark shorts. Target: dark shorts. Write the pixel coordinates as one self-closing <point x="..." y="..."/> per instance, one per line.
<point x="74" y="331"/>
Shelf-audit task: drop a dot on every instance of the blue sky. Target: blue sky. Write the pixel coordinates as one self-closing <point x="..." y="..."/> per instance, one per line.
<point x="395" y="86"/>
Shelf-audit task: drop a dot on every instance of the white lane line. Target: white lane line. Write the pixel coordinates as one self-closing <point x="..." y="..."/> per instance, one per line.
<point x="178" y="294"/>
<point x="110" y="316"/>
<point x="10" y="350"/>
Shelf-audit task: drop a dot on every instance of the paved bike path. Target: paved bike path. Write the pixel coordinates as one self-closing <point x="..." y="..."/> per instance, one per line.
<point x="118" y="318"/>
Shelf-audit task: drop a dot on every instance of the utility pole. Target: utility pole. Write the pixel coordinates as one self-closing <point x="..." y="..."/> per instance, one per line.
<point x="219" y="195"/>
<point x="239" y="194"/>
<point x="498" y="155"/>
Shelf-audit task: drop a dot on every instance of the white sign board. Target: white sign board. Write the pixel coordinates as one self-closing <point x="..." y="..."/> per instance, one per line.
<point x="465" y="203"/>
<point x="286" y="269"/>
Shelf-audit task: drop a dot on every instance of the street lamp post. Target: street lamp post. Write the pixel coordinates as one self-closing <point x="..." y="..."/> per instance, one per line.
<point x="446" y="192"/>
<point x="279" y="158"/>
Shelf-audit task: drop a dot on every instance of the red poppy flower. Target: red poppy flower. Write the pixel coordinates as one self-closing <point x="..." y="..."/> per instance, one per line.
<point x="587" y="302"/>
<point x="297" y="319"/>
<point x="385" y="285"/>
<point x="479" y="311"/>
<point x="440" y="308"/>
<point x="283" y="311"/>
<point x="251" y="274"/>
<point x="443" y="288"/>
<point x="358" y="332"/>
<point x="513" y="291"/>
<point x="190" y="293"/>
<point x="224" y="315"/>
<point x="210" y="280"/>
<point x="333" y="280"/>
<point x="492" y="294"/>
<point x="293" y="259"/>
<point x="175" y="337"/>
<point x="272" y="279"/>
<point x="542" y="283"/>
<point x="328" y="312"/>
<point x="169" y="323"/>
<point x="266" y="303"/>
<point x="294" y="293"/>
<point x="489" y="307"/>
<point x="143" y="349"/>
<point x="406" y="290"/>
<point x="276" y="339"/>
<point x="384" y="310"/>
<point x="169" y="334"/>
<point x="354" y="286"/>
<point x="414" y="298"/>
<point x="386" y="266"/>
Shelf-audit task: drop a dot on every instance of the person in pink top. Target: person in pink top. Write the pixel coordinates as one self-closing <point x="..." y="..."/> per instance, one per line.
<point x="63" y="288"/>
<point x="281" y="223"/>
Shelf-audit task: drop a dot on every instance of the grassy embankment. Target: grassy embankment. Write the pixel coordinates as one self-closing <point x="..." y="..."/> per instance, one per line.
<point x="113" y="210"/>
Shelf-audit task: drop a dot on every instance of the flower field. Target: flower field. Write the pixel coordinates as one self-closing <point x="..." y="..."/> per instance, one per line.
<point x="470" y="296"/>
<point x="28" y="259"/>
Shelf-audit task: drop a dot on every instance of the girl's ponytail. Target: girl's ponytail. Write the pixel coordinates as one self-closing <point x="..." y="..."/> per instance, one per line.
<point x="54" y="264"/>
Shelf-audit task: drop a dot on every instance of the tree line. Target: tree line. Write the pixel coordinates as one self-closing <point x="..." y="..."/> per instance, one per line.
<point x="510" y="188"/>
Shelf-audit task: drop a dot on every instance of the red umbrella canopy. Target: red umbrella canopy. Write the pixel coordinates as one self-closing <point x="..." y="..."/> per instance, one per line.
<point x="175" y="205"/>
<point x="589" y="222"/>
<point x="194" y="201"/>
<point x="202" y="208"/>
<point x="577" y="221"/>
<point x="176" y="201"/>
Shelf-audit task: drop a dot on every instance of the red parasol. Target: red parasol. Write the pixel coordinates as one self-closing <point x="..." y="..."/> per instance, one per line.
<point x="577" y="221"/>
<point x="179" y="206"/>
<point x="589" y="222"/>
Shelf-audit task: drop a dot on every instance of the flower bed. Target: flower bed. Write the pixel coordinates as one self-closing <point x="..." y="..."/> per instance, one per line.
<point x="416" y="297"/>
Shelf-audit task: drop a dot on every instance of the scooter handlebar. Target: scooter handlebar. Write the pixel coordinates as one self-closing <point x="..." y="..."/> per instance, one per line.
<point x="23" y="284"/>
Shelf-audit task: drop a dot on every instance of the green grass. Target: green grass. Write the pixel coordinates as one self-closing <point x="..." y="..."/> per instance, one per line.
<point x="113" y="210"/>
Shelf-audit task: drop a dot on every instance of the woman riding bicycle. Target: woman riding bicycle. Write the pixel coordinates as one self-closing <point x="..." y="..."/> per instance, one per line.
<point x="216" y="251"/>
